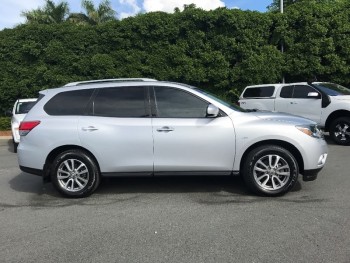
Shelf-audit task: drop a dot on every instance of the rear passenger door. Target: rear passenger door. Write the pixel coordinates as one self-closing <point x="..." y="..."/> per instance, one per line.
<point x="260" y="98"/>
<point x="118" y="130"/>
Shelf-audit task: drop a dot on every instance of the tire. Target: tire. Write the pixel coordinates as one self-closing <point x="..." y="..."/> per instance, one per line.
<point x="15" y="146"/>
<point x="340" y="131"/>
<point x="260" y="173"/>
<point x="82" y="180"/>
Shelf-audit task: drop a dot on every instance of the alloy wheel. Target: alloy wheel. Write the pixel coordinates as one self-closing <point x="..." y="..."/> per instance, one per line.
<point x="72" y="175"/>
<point x="271" y="172"/>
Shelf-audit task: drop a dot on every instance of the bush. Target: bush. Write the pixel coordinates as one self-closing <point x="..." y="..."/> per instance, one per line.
<point x="5" y="123"/>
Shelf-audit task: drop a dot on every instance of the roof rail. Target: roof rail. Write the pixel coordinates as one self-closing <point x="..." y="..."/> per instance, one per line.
<point x="106" y="81"/>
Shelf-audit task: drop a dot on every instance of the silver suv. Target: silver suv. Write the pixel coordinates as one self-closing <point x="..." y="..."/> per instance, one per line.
<point x="76" y="134"/>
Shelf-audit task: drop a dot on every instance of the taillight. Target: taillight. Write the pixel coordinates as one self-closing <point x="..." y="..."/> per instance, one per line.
<point x="26" y="126"/>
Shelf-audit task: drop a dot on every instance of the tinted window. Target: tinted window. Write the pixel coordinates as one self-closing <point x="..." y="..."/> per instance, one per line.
<point x="175" y="103"/>
<point x="332" y="89"/>
<point x="121" y="102"/>
<point x="24" y="107"/>
<point x="69" y="102"/>
<point x="259" y="92"/>
<point x="301" y="91"/>
<point x="286" y="92"/>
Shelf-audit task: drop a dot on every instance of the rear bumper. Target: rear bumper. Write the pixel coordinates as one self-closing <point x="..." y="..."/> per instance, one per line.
<point x="311" y="175"/>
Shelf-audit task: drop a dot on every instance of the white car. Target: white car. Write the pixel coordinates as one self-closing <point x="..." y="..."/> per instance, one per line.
<point x="19" y="111"/>
<point x="327" y="104"/>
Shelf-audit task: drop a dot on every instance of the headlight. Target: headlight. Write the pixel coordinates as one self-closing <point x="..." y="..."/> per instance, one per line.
<point x="311" y="130"/>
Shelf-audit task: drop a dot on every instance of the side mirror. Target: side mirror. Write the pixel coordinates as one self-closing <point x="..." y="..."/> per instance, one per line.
<point x="313" y="95"/>
<point x="212" y="111"/>
<point x="8" y="113"/>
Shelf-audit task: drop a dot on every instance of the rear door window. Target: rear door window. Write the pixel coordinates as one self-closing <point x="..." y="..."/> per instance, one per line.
<point x="259" y="92"/>
<point x="287" y="92"/>
<point x="127" y="102"/>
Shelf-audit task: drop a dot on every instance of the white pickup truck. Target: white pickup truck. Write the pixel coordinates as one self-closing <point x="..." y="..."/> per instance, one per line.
<point x="327" y="104"/>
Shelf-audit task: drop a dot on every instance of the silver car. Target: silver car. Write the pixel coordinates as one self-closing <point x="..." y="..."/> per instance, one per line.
<point x="76" y="134"/>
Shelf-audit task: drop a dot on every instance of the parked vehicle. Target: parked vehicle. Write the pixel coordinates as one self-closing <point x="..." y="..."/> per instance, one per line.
<point x="19" y="111"/>
<point x="78" y="133"/>
<point x="327" y="104"/>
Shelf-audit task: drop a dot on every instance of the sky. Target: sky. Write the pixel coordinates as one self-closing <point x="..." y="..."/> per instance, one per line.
<point x="10" y="10"/>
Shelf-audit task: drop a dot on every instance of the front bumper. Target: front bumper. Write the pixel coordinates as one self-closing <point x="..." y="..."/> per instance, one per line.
<point x="311" y="175"/>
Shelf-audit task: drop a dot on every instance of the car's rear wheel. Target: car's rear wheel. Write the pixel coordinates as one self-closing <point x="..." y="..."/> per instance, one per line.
<point x="75" y="174"/>
<point x="340" y="131"/>
<point x="270" y="170"/>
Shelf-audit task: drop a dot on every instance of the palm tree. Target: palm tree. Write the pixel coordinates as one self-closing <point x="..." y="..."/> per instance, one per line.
<point x="103" y="13"/>
<point x="49" y="14"/>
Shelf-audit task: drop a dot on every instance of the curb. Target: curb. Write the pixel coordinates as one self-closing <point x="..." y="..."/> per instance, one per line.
<point x="5" y="137"/>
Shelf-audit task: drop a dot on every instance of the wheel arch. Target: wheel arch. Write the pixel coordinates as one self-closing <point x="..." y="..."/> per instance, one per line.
<point x="334" y="115"/>
<point x="288" y="146"/>
<point x="55" y="152"/>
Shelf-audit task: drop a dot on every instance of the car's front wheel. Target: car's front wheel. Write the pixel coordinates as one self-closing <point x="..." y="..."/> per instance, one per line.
<point x="75" y="174"/>
<point x="270" y="170"/>
<point x="340" y="131"/>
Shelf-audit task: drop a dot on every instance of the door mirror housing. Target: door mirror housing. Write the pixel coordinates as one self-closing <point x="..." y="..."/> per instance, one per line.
<point x="212" y="111"/>
<point x="315" y="95"/>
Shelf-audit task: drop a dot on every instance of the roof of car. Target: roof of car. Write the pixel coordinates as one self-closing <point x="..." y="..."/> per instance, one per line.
<point x="97" y="81"/>
<point x="110" y="84"/>
<point x="27" y="100"/>
<point x="278" y="84"/>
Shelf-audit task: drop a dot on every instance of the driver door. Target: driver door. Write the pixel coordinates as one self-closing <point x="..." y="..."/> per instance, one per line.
<point x="185" y="139"/>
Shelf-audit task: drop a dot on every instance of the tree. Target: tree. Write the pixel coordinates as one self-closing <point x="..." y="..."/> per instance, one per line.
<point x="275" y="6"/>
<point x="49" y="14"/>
<point x="103" y="13"/>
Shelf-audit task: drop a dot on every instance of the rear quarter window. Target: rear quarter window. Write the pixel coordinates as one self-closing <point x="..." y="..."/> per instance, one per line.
<point x="69" y="103"/>
<point x="259" y="92"/>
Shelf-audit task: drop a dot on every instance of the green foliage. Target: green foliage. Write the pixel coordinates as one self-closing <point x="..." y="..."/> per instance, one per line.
<point x="49" y="14"/>
<point x="276" y="4"/>
<point x="103" y="13"/>
<point x="221" y="51"/>
<point x="317" y="41"/>
<point x="93" y="16"/>
<point x="5" y="123"/>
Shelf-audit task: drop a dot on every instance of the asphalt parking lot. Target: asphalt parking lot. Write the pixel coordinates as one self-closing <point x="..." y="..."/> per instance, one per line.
<point x="195" y="219"/>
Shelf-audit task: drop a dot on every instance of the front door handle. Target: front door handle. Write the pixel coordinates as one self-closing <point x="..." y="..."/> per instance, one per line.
<point x="165" y="129"/>
<point x="293" y="102"/>
<point x="89" y="128"/>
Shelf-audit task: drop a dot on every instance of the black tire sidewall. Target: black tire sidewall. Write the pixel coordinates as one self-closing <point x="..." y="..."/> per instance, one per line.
<point x="94" y="177"/>
<point x="341" y="120"/>
<point x="259" y="152"/>
<point x="15" y="146"/>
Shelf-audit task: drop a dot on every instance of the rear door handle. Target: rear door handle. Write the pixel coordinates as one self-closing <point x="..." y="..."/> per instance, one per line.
<point x="89" y="128"/>
<point x="293" y="102"/>
<point x="165" y="129"/>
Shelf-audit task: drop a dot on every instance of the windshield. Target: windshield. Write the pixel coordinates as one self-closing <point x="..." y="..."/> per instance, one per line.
<point x="332" y="89"/>
<point x="227" y="104"/>
<point x="24" y="107"/>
